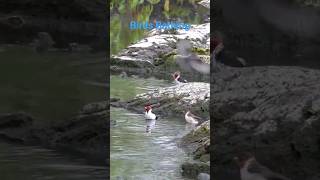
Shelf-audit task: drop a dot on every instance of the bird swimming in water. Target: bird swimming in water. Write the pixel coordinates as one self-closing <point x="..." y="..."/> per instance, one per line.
<point x="251" y="169"/>
<point x="149" y="115"/>
<point x="150" y="118"/>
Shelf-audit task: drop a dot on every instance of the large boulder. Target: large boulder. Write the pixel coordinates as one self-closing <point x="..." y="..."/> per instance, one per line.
<point x="156" y="53"/>
<point x="197" y="144"/>
<point x="174" y="100"/>
<point x="273" y="112"/>
<point x="269" y="32"/>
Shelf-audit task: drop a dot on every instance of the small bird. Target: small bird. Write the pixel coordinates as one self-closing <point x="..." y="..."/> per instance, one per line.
<point x="251" y="169"/>
<point x="149" y="115"/>
<point x="191" y="118"/>
<point x="177" y="78"/>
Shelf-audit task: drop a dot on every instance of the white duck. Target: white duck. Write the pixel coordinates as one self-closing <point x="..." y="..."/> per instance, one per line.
<point x="149" y="115"/>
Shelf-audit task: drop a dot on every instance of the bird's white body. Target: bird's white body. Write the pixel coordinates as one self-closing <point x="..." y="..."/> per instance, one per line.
<point x="246" y="175"/>
<point x="176" y="81"/>
<point x="190" y="118"/>
<point x="150" y="115"/>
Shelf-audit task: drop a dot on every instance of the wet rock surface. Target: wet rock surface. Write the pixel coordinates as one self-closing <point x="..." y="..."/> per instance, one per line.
<point x="173" y="100"/>
<point x="156" y="53"/>
<point x="86" y="134"/>
<point x="67" y="21"/>
<point x="272" y="112"/>
<point x="197" y="143"/>
<point x="287" y="36"/>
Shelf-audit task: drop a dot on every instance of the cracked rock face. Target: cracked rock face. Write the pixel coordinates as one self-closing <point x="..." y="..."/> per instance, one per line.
<point x="272" y="112"/>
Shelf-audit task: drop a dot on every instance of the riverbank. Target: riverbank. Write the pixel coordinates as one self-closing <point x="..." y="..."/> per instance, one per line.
<point x="173" y="101"/>
<point x="84" y="134"/>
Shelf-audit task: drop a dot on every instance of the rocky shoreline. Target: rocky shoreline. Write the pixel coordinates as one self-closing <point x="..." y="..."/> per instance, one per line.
<point x="84" y="134"/>
<point x="174" y="101"/>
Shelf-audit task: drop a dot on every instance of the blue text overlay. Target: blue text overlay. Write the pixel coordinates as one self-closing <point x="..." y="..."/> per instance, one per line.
<point x="135" y="25"/>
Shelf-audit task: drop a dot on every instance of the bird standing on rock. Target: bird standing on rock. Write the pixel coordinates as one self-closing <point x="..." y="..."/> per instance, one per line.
<point x="177" y="78"/>
<point x="191" y="118"/>
<point x="251" y="169"/>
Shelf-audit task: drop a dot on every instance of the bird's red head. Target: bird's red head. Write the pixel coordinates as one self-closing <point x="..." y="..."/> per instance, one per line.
<point x="147" y="108"/>
<point x="242" y="158"/>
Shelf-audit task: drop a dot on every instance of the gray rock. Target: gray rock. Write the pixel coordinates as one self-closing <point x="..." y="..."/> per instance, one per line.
<point x="270" y="111"/>
<point x="44" y="42"/>
<point x="174" y="100"/>
<point x="205" y="3"/>
<point x="203" y="176"/>
<point x="156" y="53"/>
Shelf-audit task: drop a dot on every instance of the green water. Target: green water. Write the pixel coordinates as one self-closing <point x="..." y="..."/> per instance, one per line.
<point x="36" y="163"/>
<point x="52" y="86"/>
<point x="128" y="88"/>
<point x="136" y="154"/>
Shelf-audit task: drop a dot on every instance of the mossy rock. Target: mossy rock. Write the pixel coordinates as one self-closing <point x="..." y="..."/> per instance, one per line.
<point x="205" y="157"/>
<point x="201" y="51"/>
<point x="192" y="169"/>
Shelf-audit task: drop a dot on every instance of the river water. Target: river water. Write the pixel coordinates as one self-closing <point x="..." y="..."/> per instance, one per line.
<point x="136" y="154"/>
<point x="52" y="87"/>
<point x="37" y="163"/>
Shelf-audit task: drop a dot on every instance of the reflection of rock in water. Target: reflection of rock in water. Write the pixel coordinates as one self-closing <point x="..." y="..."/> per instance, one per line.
<point x="150" y="124"/>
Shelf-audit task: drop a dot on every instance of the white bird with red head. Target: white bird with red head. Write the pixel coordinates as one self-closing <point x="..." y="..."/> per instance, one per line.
<point x="149" y="115"/>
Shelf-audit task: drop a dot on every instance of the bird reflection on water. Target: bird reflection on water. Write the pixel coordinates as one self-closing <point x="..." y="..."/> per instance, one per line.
<point x="150" y="125"/>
